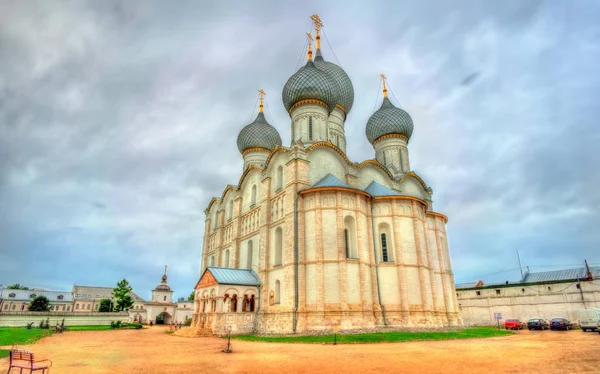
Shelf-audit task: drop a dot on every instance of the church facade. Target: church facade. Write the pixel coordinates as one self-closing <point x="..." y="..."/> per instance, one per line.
<point x="309" y="239"/>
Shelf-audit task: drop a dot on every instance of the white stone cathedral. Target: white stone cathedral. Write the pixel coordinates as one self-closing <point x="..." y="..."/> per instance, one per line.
<point x="308" y="239"/>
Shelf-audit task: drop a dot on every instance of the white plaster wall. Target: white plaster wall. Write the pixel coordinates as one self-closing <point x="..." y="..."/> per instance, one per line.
<point x="411" y="187"/>
<point x="332" y="283"/>
<point x="370" y="173"/>
<point x="353" y="283"/>
<point x="257" y="158"/>
<point x="330" y="234"/>
<point x="300" y="118"/>
<point x="323" y="161"/>
<point x="311" y="284"/>
<point x="335" y="125"/>
<point x="253" y="178"/>
<point x="310" y="239"/>
<point x="390" y="289"/>
<point x="244" y="252"/>
<point x="414" y="291"/>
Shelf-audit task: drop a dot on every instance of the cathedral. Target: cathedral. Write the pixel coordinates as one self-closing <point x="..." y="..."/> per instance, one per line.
<point x="308" y="239"/>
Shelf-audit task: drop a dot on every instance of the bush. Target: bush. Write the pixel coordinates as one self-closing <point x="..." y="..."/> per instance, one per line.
<point x="39" y="304"/>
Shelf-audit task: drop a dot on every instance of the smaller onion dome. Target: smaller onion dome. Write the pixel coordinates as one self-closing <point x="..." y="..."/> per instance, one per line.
<point x="310" y="83"/>
<point x="388" y="120"/>
<point x="258" y="134"/>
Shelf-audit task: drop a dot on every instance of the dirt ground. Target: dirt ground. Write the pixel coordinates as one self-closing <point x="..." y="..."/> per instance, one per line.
<point x="154" y="351"/>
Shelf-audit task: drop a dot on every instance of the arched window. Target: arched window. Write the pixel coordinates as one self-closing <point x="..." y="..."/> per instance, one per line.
<point x="350" y="237"/>
<point x="226" y="262"/>
<point x="310" y="128"/>
<point x="253" y="196"/>
<point x="234" y="303"/>
<point x="231" y="209"/>
<point x="278" y="246"/>
<point x="384" y="158"/>
<point x="385" y="241"/>
<point x="277" y="292"/>
<point x="212" y="260"/>
<point x="249" y="256"/>
<point x="384" y="248"/>
<point x="252" y="303"/>
<point x="279" y="177"/>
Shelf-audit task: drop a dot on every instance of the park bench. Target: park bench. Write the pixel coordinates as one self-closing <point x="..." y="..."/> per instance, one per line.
<point x="25" y="360"/>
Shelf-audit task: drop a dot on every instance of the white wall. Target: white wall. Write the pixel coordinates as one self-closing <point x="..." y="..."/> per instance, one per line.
<point x="15" y="319"/>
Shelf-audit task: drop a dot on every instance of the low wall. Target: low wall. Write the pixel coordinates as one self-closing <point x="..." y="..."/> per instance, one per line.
<point x="15" y="319"/>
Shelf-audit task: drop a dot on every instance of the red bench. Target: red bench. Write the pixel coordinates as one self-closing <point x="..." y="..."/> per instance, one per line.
<point x="25" y="360"/>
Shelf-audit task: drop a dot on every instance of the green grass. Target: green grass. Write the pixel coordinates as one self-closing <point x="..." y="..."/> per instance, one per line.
<point x="21" y="335"/>
<point x="87" y="328"/>
<point x="401" y="336"/>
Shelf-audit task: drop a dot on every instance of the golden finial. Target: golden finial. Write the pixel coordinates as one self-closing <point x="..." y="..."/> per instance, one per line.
<point x="310" y="40"/>
<point x="318" y="25"/>
<point x="383" y="77"/>
<point x="262" y="97"/>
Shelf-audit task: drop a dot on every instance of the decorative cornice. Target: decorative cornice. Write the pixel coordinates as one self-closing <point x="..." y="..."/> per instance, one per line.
<point x="256" y="149"/>
<point x="275" y="150"/>
<point x="387" y="136"/>
<point x="308" y="101"/>
<point x="228" y="188"/>
<point x="435" y="214"/>
<point x="402" y="197"/>
<point x="342" y="189"/>
<point x="246" y="172"/>
<point x="342" y="108"/>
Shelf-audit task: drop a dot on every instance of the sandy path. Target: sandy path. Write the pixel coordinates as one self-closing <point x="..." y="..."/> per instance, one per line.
<point x="153" y="351"/>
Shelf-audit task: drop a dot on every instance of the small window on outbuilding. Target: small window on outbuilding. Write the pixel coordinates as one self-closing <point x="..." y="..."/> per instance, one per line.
<point x="497" y="292"/>
<point x="549" y="288"/>
<point x="60" y="297"/>
<point x="478" y="293"/>
<point x="12" y="295"/>
<point x="578" y="286"/>
<point x="523" y="290"/>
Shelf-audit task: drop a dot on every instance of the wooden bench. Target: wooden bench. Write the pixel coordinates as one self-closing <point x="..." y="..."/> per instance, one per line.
<point x="25" y="360"/>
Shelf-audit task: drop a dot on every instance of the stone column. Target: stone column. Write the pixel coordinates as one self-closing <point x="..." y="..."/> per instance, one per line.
<point x="423" y="276"/>
<point x="363" y="256"/>
<point x="372" y="261"/>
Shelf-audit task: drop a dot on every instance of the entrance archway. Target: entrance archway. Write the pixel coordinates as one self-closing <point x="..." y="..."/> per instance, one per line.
<point x="163" y="319"/>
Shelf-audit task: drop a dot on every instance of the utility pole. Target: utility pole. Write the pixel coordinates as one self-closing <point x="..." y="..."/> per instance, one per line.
<point x="520" y="266"/>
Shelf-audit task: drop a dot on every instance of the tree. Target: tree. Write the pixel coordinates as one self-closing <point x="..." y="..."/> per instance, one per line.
<point x="124" y="301"/>
<point x="39" y="304"/>
<point x="16" y="286"/>
<point x="106" y="306"/>
<point x="181" y="300"/>
<point x="192" y="296"/>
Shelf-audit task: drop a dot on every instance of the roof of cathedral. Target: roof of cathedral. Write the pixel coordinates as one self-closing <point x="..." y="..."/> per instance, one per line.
<point x="240" y="277"/>
<point x="310" y="83"/>
<point x="389" y="119"/>
<point x="330" y="181"/>
<point x="377" y="189"/>
<point x="345" y="92"/>
<point x="258" y="134"/>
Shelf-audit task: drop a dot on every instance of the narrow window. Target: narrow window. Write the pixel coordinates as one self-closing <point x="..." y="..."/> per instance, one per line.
<point x="279" y="177"/>
<point x="347" y="245"/>
<point x="309" y="128"/>
<point x="212" y="260"/>
<point x="76" y="306"/>
<point x="497" y="292"/>
<point x="252" y="303"/>
<point x="478" y="293"/>
<point x="400" y="156"/>
<point x="278" y="246"/>
<point x="164" y="298"/>
<point x="253" y="198"/>
<point x="234" y="303"/>
<point x="226" y="262"/>
<point x="277" y="292"/>
<point x="384" y="159"/>
<point x="249" y="256"/>
<point x="384" y="249"/>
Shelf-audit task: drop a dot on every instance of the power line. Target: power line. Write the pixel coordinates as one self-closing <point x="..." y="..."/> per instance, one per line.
<point x="393" y="94"/>
<point x="269" y="109"/>
<point x="303" y="48"/>
<point x="377" y="98"/>
<point x="253" y="109"/>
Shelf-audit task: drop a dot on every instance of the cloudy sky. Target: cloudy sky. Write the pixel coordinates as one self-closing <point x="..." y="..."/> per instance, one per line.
<point x="118" y="123"/>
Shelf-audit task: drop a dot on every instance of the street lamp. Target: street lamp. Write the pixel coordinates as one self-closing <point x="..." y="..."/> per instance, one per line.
<point x="228" y="329"/>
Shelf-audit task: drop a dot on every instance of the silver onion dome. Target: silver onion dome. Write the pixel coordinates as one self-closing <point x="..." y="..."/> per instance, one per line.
<point x="258" y="134"/>
<point x="310" y="83"/>
<point x="388" y="119"/>
<point x="345" y="89"/>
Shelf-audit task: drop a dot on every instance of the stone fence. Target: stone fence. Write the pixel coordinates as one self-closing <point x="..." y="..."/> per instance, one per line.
<point x="15" y="319"/>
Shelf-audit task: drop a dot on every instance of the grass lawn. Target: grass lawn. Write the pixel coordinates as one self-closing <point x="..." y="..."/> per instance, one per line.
<point x="21" y="335"/>
<point x="87" y="328"/>
<point x="402" y="336"/>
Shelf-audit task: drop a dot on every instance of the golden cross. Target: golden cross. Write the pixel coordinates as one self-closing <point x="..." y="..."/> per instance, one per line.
<point x="262" y="94"/>
<point x="383" y="77"/>
<point x="317" y="21"/>
<point x="310" y="39"/>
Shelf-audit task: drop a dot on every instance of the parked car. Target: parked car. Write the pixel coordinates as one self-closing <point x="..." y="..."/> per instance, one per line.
<point x="514" y="324"/>
<point x="560" y="324"/>
<point x="589" y="319"/>
<point x="537" y="324"/>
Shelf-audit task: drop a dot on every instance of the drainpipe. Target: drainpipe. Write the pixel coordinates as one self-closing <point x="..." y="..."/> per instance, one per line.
<point x="376" y="263"/>
<point x="295" y="317"/>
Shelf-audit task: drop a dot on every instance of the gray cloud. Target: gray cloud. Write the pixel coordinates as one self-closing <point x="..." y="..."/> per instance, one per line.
<point x="118" y="125"/>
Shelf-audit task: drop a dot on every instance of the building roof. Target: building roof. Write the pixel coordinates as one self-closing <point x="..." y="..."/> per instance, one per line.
<point x="53" y="296"/>
<point x="555" y="276"/>
<point x="377" y="189"/>
<point x="241" y="277"/>
<point x="93" y="293"/>
<point x="330" y="180"/>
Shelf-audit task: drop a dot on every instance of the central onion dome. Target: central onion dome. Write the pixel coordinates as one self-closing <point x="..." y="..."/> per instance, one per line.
<point x="310" y="84"/>
<point x="345" y="92"/>
<point x="389" y="120"/>
<point x="258" y="134"/>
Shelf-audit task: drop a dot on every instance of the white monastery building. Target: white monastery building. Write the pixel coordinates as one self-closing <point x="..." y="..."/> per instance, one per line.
<point x="309" y="239"/>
